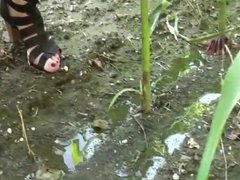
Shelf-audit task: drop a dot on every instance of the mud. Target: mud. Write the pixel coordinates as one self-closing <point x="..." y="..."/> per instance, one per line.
<point x="101" y="44"/>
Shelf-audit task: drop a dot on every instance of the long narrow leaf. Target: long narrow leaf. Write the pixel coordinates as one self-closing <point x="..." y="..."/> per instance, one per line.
<point x="230" y="95"/>
<point x="154" y="16"/>
<point x="120" y="93"/>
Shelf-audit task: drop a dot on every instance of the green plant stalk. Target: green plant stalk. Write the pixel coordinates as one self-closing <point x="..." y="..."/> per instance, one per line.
<point x="222" y="16"/>
<point x="209" y="36"/>
<point x="146" y="64"/>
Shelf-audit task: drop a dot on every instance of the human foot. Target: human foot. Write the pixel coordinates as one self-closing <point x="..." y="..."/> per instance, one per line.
<point x="23" y="17"/>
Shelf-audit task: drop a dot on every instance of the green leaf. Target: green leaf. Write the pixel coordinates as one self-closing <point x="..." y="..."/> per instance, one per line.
<point x="120" y="93"/>
<point x="154" y="16"/>
<point x="230" y="94"/>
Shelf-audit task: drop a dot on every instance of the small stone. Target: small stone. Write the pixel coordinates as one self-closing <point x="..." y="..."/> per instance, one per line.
<point x="21" y="139"/>
<point x="65" y="68"/>
<point x="9" y="131"/>
<point x="176" y="176"/>
<point x="124" y="141"/>
<point x="33" y="128"/>
<point x="113" y="74"/>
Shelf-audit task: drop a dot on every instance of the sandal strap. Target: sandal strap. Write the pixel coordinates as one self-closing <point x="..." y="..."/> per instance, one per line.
<point x="34" y="35"/>
<point x="45" y="46"/>
<point x="47" y="53"/>
<point x="30" y="6"/>
<point x="33" y="28"/>
<point x="22" y="21"/>
<point x="49" y="48"/>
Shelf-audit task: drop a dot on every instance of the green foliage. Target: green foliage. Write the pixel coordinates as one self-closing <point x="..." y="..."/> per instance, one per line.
<point x="146" y="60"/>
<point x="114" y="99"/>
<point x="155" y="14"/>
<point x="230" y="94"/>
<point x="222" y="15"/>
<point x="148" y="24"/>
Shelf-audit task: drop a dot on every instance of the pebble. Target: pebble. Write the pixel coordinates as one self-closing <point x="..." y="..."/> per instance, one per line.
<point x="9" y="131"/>
<point x="176" y="176"/>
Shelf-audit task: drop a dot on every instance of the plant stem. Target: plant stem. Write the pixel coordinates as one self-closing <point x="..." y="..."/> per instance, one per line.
<point x="222" y="16"/>
<point x="146" y="64"/>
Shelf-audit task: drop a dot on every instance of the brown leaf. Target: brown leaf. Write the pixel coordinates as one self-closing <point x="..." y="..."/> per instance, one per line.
<point x="96" y="63"/>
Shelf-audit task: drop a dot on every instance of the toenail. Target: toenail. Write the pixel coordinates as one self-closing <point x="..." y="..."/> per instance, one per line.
<point x="53" y="64"/>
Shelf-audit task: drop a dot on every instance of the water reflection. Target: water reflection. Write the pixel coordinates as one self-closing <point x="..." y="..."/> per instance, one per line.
<point x="174" y="142"/>
<point x="81" y="148"/>
<point x="158" y="162"/>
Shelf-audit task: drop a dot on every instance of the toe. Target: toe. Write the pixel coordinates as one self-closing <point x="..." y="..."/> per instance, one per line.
<point x="52" y="64"/>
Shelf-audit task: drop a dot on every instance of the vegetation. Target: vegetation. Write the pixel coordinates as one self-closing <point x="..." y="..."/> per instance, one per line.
<point x="148" y="25"/>
<point x="230" y="95"/>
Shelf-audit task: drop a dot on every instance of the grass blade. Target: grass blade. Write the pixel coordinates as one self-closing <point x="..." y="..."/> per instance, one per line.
<point x="230" y="95"/>
<point x="154" y="16"/>
<point x="120" y="93"/>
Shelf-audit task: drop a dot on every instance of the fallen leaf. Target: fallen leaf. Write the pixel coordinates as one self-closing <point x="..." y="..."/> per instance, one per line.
<point x="100" y="124"/>
<point x="193" y="144"/>
<point x="96" y="63"/>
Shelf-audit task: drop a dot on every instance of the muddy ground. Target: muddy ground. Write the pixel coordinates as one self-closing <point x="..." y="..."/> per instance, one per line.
<point x="101" y="47"/>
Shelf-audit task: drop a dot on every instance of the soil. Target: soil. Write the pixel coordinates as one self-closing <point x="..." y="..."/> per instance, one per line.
<point x="66" y="115"/>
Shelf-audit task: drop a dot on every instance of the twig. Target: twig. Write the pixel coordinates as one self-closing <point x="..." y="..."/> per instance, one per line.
<point x="144" y="133"/>
<point x="30" y="152"/>
<point x="225" y="160"/>
<point x="196" y="11"/>
<point x="229" y="52"/>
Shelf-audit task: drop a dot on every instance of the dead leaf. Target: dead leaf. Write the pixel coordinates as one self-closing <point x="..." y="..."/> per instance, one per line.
<point x="193" y="144"/>
<point x="100" y="124"/>
<point x="96" y="63"/>
<point x="234" y="134"/>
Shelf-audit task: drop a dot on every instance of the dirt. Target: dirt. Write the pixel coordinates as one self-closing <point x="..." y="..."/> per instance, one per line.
<point x="101" y="44"/>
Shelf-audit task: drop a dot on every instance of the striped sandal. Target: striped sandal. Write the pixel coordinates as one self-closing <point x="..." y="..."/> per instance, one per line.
<point x="24" y="23"/>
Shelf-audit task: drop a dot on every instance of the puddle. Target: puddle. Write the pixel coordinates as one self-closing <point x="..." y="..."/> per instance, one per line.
<point x="79" y="149"/>
<point x="174" y="142"/>
<point x="158" y="162"/>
